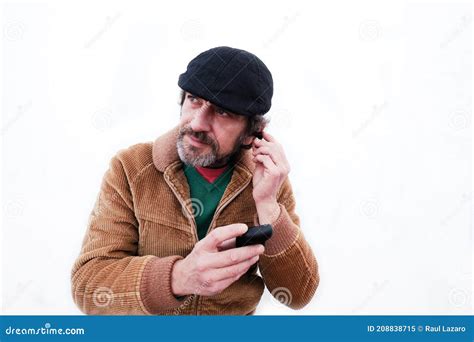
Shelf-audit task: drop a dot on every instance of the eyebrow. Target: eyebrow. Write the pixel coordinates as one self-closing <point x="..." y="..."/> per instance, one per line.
<point x="212" y="104"/>
<point x="217" y="107"/>
<point x="225" y="110"/>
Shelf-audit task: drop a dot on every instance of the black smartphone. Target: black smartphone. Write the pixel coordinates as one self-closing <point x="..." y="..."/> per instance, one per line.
<point x="255" y="235"/>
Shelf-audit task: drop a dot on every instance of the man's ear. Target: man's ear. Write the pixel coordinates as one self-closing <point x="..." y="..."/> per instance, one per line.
<point x="248" y="140"/>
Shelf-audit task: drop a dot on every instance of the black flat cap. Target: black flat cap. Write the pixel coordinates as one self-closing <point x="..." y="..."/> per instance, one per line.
<point x="233" y="79"/>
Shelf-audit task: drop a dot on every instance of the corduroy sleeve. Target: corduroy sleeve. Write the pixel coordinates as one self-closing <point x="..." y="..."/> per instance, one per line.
<point x="288" y="265"/>
<point x="108" y="277"/>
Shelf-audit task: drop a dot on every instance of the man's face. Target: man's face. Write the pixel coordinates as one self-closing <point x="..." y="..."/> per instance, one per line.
<point x="209" y="136"/>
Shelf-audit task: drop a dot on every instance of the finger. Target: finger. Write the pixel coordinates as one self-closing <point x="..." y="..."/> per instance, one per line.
<point x="233" y="256"/>
<point x="260" y="142"/>
<point x="266" y="161"/>
<point x="232" y="271"/>
<point x="227" y="244"/>
<point x="262" y="150"/>
<point x="266" y="150"/>
<point x="267" y="136"/>
<point x="221" y="234"/>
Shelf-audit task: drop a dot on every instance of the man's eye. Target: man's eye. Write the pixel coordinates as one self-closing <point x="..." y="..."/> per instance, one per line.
<point x="192" y="98"/>
<point x="221" y="112"/>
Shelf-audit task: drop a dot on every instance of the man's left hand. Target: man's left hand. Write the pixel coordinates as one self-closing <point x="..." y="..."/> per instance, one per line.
<point x="271" y="170"/>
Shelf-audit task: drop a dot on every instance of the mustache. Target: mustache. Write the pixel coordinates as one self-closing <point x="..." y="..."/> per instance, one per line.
<point x="201" y="136"/>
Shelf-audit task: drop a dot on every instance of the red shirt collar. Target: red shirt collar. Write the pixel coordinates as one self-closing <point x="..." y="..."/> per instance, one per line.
<point x="210" y="174"/>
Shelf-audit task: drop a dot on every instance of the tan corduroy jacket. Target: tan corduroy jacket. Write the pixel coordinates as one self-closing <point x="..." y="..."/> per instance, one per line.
<point x="142" y="222"/>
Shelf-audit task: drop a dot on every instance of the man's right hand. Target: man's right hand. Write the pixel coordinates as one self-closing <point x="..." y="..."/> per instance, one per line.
<point x="208" y="269"/>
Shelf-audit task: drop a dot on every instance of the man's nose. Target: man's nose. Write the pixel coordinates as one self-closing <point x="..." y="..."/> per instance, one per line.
<point x="202" y="118"/>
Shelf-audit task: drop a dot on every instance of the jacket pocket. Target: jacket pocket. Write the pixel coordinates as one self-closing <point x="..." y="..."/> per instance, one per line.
<point x="164" y="239"/>
<point x="240" y="298"/>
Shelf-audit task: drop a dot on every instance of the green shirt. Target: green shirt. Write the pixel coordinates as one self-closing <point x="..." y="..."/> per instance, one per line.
<point x="205" y="196"/>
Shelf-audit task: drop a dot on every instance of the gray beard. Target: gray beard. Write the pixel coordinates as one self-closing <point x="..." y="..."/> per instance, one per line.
<point x="190" y="155"/>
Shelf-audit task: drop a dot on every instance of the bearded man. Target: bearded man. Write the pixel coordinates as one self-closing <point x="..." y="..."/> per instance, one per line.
<point x="161" y="238"/>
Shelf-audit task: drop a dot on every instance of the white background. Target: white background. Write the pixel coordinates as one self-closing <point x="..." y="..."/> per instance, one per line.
<point x="372" y="103"/>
